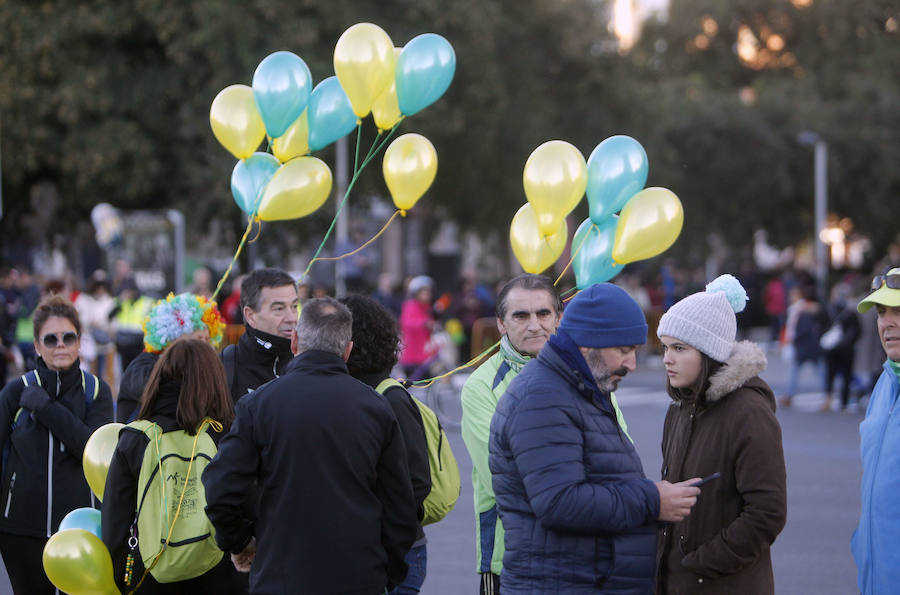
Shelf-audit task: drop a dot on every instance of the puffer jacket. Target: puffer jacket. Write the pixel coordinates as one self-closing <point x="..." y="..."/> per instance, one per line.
<point x="579" y="514"/>
<point x="723" y="545"/>
<point x="52" y="437"/>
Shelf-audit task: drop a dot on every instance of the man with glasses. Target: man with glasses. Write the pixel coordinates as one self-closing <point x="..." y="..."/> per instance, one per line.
<point x="874" y="543"/>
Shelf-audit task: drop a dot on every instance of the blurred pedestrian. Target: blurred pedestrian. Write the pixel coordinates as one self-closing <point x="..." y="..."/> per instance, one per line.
<point x="839" y="345"/>
<point x="805" y="323"/>
<point x="875" y="540"/>
<point x="721" y="422"/>
<point x="417" y="324"/>
<point x="128" y="318"/>
<point x="46" y="417"/>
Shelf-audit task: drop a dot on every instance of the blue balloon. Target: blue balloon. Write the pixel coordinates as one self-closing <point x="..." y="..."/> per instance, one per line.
<point x="281" y="87"/>
<point x="617" y="170"/>
<point x="82" y="518"/>
<point x="424" y="70"/>
<point x="330" y="114"/>
<point x="593" y="263"/>
<point x="249" y="179"/>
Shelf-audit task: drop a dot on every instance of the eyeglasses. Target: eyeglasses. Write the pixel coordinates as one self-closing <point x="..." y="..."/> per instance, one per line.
<point x="892" y="281"/>
<point x="51" y="340"/>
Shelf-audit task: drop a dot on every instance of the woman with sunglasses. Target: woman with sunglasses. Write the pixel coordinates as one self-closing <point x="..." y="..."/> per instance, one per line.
<point x="46" y="417"/>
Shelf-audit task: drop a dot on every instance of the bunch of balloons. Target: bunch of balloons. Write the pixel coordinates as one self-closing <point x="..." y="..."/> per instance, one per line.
<point x="371" y="76"/>
<point x="75" y="558"/>
<point x="555" y="178"/>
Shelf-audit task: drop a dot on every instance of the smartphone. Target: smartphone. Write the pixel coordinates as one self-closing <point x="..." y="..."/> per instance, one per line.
<point x="715" y="475"/>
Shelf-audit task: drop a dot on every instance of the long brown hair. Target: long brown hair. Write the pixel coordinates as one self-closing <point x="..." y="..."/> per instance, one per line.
<point x="697" y="391"/>
<point x="197" y="369"/>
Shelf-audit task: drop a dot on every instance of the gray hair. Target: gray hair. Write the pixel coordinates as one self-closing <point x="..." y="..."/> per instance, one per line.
<point x="325" y="324"/>
<point x="530" y="282"/>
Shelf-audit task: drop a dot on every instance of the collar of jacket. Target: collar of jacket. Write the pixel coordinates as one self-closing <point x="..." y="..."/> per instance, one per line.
<point x="263" y="346"/>
<point x="894" y="367"/>
<point x="68" y="378"/>
<point x="373" y="380"/>
<point x="165" y="408"/>
<point x="747" y="360"/>
<point x="562" y="355"/>
<point x="318" y="362"/>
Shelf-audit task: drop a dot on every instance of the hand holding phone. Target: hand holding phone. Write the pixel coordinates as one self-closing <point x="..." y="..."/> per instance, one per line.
<point x="715" y="475"/>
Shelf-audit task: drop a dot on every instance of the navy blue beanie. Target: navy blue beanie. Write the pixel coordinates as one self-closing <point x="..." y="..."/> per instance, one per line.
<point x="604" y="315"/>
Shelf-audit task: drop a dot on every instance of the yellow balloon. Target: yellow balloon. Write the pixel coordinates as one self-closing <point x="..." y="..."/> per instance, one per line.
<point x="535" y="251"/>
<point x="298" y="188"/>
<point x="364" y="65"/>
<point x="386" y="110"/>
<point x="555" y="178"/>
<point x="409" y="166"/>
<point x="98" y="453"/>
<point x="648" y="224"/>
<point x="294" y="142"/>
<point x="236" y="122"/>
<point x="77" y="562"/>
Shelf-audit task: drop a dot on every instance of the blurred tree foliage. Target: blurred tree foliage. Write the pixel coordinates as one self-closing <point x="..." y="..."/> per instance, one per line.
<point x="109" y="101"/>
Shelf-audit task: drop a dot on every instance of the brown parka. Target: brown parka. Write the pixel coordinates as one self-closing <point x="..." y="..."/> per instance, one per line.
<point x="723" y="546"/>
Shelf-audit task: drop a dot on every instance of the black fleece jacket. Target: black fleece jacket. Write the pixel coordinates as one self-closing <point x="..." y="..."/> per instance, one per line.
<point x="257" y="358"/>
<point x="52" y="434"/>
<point x="337" y="513"/>
<point x="131" y="387"/>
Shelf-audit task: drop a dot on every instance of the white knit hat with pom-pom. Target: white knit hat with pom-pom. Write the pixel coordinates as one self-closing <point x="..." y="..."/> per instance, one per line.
<point x="706" y="320"/>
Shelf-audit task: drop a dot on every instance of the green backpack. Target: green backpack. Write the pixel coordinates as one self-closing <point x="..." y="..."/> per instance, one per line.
<point x="175" y="537"/>
<point x="445" y="485"/>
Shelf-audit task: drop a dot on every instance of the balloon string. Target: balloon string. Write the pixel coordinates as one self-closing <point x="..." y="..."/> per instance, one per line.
<point x="577" y="250"/>
<point x="425" y="383"/>
<point x="375" y="237"/>
<point x="258" y="232"/>
<point x="376" y="146"/>
<point x="237" y="253"/>
<point x="358" y="137"/>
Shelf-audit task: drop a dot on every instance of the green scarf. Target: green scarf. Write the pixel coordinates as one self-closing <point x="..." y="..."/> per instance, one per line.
<point x="895" y="368"/>
<point x="515" y="359"/>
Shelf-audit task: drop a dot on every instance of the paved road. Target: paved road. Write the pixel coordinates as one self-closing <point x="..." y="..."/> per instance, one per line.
<point x="812" y="554"/>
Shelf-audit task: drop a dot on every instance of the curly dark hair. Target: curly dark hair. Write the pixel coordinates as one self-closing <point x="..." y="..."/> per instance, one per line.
<point x="376" y="337"/>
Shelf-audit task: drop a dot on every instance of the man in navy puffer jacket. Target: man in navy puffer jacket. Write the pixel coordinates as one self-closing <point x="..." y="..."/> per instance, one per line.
<point x="580" y="516"/>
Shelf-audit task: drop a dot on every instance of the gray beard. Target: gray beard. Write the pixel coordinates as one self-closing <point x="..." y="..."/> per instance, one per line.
<point x="601" y="372"/>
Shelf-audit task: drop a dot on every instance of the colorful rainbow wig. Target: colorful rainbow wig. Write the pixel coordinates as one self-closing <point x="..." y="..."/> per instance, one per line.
<point x="179" y="315"/>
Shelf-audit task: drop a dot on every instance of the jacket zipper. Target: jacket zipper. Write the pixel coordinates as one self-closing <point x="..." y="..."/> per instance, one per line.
<point x="12" y="484"/>
<point x="50" y="469"/>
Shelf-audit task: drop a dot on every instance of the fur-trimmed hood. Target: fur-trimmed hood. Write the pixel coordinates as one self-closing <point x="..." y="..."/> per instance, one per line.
<point x="746" y="361"/>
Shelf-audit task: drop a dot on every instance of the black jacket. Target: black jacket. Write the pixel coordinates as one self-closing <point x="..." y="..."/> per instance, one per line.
<point x="53" y="434"/>
<point x="413" y="430"/>
<point x="131" y="387"/>
<point x="257" y="358"/>
<point x="336" y="513"/>
<point x="120" y="505"/>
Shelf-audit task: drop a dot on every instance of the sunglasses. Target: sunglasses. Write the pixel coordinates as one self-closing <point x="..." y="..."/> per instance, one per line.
<point x="51" y="340"/>
<point x="892" y="281"/>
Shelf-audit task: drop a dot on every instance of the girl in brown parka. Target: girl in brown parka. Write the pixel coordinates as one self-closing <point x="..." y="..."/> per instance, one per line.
<point x="722" y="420"/>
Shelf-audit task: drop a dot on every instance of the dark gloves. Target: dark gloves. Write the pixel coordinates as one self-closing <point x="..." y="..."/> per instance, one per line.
<point x="33" y="398"/>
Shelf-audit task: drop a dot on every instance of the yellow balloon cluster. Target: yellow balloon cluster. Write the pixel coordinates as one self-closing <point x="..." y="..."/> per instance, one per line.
<point x="236" y="122"/>
<point x="364" y="65"/>
<point x="98" y="453"/>
<point x="555" y="178"/>
<point x="409" y="167"/>
<point x="77" y="562"/>
<point x="386" y="109"/>
<point x="534" y="251"/>
<point x="298" y="188"/>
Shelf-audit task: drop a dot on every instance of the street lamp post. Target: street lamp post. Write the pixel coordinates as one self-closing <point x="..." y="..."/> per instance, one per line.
<point x="808" y="137"/>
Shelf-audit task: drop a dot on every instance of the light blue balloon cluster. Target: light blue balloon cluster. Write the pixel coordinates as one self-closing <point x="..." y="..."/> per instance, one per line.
<point x="616" y="170"/>
<point x="330" y="114"/>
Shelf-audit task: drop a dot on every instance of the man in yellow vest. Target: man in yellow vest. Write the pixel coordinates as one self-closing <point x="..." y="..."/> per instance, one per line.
<point x="127" y="318"/>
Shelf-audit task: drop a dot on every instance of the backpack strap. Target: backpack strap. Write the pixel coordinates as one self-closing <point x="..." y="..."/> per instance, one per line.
<point x="90" y="386"/>
<point x="30" y="378"/>
<point x="386" y="384"/>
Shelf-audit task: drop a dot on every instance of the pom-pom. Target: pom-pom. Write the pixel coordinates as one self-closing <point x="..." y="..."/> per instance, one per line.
<point x="733" y="290"/>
